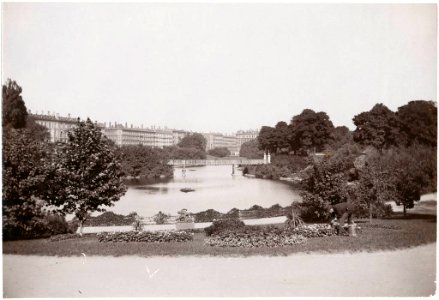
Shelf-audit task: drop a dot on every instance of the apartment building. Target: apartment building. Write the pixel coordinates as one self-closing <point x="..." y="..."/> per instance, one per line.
<point x="57" y="125"/>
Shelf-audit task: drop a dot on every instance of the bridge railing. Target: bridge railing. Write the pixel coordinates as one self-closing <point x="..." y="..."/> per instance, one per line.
<point x="215" y="162"/>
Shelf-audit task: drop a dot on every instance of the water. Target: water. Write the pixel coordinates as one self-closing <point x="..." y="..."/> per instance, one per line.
<point x="215" y="188"/>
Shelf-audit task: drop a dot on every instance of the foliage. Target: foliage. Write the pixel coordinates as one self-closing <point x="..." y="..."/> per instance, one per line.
<point x="219" y="152"/>
<point x="377" y="127"/>
<point x="24" y="160"/>
<point x="161" y="218"/>
<point x="341" y="136"/>
<point x="255" y="239"/>
<point x="195" y="140"/>
<point x="398" y="174"/>
<point x="175" y="152"/>
<point x="223" y="225"/>
<point x="313" y="230"/>
<point x="418" y="123"/>
<point x="146" y="236"/>
<point x="209" y="215"/>
<point x="293" y="219"/>
<point x="310" y="131"/>
<point x="251" y="150"/>
<point x="142" y="161"/>
<point x="40" y="225"/>
<point x="267" y="139"/>
<point x="14" y="110"/>
<point x="85" y="173"/>
<point x="109" y="218"/>
<point x="281" y="137"/>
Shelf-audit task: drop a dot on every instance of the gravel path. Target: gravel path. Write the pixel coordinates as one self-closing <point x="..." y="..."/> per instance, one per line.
<point x="409" y="272"/>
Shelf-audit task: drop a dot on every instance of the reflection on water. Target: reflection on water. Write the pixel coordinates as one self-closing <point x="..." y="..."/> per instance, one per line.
<point x="215" y="188"/>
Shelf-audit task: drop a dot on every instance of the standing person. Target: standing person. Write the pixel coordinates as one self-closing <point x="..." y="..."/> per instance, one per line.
<point x="342" y="211"/>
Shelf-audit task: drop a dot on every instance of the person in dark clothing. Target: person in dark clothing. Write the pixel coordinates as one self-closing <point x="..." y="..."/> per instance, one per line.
<point x="342" y="211"/>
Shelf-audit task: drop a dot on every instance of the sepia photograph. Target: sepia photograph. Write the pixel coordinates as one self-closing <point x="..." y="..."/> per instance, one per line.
<point x="213" y="149"/>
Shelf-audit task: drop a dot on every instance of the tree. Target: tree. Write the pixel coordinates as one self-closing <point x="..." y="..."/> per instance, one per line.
<point x="24" y="159"/>
<point x="377" y="127"/>
<point x="142" y="161"/>
<point x="267" y="139"/>
<point x="341" y="136"/>
<point x="195" y="140"/>
<point x="85" y="174"/>
<point x="418" y="123"/>
<point x="219" y="152"/>
<point x="14" y="110"/>
<point x="310" y="131"/>
<point x="281" y="136"/>
<point x="251" y="149"/>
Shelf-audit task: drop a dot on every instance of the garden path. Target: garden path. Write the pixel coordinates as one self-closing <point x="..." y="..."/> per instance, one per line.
<point x="408" y="272"/>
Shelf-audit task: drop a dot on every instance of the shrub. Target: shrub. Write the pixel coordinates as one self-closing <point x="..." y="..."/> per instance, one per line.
<point x="109" y="218"/>
<point x="146" y="236"/>
<point x="42" y="226"/>
<point x="223" y="225"/>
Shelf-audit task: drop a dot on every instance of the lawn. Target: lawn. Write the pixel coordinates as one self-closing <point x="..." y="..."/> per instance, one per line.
<point x="384" y="234"/>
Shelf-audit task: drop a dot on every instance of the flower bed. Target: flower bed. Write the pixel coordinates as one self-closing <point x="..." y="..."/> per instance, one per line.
<point x="314" y="230"/>
<point x="268" y="236"/>
<point x="146" y="236"/>
<point x="254" y="239"/>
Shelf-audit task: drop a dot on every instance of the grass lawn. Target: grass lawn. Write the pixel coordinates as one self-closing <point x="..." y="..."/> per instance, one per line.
<point x="386" y="234"/>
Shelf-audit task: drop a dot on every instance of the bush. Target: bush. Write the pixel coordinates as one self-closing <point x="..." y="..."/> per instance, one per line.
<point x="42" y="226"/>
<point x="146" y="236"/>
<point x="109" y="218"/>
<point x="223" y="225"/>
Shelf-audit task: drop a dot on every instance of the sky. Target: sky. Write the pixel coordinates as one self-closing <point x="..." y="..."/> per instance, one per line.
<point x="218" y="67"/>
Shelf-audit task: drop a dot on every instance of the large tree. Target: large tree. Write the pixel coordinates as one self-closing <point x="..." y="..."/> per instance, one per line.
<point x="418" y="123"/>
<point x="14" y="110"/>
<point x="281" y="136"/>
<point x="24" y="167"/>
<point x="85" y="174"/>
<point x="251" y="149"/>
<point x="142" y="161"/>
<point x="377" y="127"/>
<point x="267" y="139"/>
<point x="219" y="152"/>
<point x="310" y="131"/>
<point x="195" y="140"/>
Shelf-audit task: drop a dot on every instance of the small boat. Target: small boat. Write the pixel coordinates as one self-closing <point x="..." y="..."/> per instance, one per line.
<point x="187" y="190"/>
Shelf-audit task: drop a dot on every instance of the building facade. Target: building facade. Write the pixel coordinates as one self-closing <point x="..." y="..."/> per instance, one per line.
<point x="56" y="125"/>
<point x="218" y="140"/>
<point x="151" y="137"/>
<point x="246" y="136"/>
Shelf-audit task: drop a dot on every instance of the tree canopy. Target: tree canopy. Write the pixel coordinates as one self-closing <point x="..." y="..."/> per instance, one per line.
<point x="219" y="152"/>
<point x="418" y="123"/>
<point x="14" y="110"/>
<point x="310" y="131"/>
<point x="377" y="127"/>
<point x="251" y="149"/>
<point x="85" y="174"/>
<point x="195" y="140"/>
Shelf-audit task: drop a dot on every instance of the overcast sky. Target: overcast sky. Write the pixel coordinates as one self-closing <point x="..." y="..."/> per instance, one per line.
<point x="218" y="67"/>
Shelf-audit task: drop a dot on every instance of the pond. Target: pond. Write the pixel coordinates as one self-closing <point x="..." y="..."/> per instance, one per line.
<point x="214" y="187"/>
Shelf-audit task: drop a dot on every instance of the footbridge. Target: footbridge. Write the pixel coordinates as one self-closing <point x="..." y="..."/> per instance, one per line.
<point x="183" y="163"/>
<point x="215" y="162"/>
